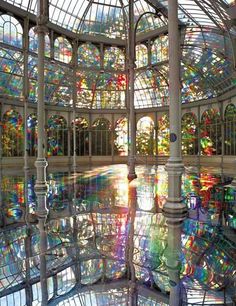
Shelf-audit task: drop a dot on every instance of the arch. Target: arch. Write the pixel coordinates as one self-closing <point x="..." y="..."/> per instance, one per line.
<point x="210" y="137"/>
<point x="121" y="137"/>
<point x="32" y="135"/>
<point x="145" y="136"/>
<point x="114" y="58"/>
<point x="189" y="134"/>
<point x="33" y="42"/>
<point x="159" y="50"/>
<point x="82" y="136"/>
<point x="88" y="55"/>
<point x="62" y="50"/>
<point x="141" y="55"/>
<point x="230" y="130"/>
<point x="163" y="141"/>
<point x="11" y="31"/>
<point x="12" y="134"/>
<point x="57" y="136"/>
<point x="101" y="137"/>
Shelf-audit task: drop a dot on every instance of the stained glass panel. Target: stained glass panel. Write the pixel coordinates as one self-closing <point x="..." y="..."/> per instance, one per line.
<point x="141" y="55"/>
<point x="62" y="50"/>
<point x="121" y="137"/>
<point x="163" y="142"/>
<point x="10" y="31"/>
<point x="57" y="136"/>
<point x="88" y="56"/>
<point x="114" y="58"/>
<point x="33" y="42"/>
<point x="145" y="136"/>
<point x="159" y="49"/>
<point x="189" y="134"/>
<point x="230" y="130"/>
<point x="82" y="136"/>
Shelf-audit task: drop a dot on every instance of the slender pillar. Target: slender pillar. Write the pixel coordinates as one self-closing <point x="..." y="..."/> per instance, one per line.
<point x="26" y="90"/>
<point x="75" y="64"/>
<point x="41" y="163"/>
<point x="174" y="210"/>
<point x="132" y="123"/>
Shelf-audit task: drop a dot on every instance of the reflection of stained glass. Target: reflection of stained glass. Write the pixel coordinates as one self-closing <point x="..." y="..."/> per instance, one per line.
<point x="12" y="135"/>
<point x="141" y="56"/>
<point x="145" y="136"/>
<point x="121" y="137"/>
<point x="189" y="134"/>
<point x="114" y="58"/>
<point x="163" y="141"/>
<point x="230" y="130"/>
<point x="210" y="137"/>
<point x="62" y="50"/>
<point x="32" y="122"/>
<point x="10" y="31"/>
<point x="33" y="42"/>
<point x="88" y="56"/>
<point x="57" y="136"/>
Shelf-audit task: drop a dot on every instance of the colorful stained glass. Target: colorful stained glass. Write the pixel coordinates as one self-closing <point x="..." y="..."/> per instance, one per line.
<point x="10" y="31"/>
<point x="62" y="50"/>
<point x="163" y="141"/>
<point x="145" y="136"/>
<point x="12" y="135"/>
<point x="149" y="21"/>
<point x="11" y="72"/>
<point x="159" y="49"/>
<point x="33" y="42"/>
<point x="189" y="134"/>
<point x="82" y="136"/>
<point x="141" y="55"/>
<point x="114" y="58"/>
<point x="88" y="56"/>
<point x="57" y="136"/>
<point x="91" y="271"/>
<point x="121" y="137"/>
<point x="32" y="136"/>
<point x="210" y="137"/>
<point x="230" y="130"/>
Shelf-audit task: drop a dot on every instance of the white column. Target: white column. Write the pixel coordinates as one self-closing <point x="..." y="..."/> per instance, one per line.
<point x="132" y="121"/>
<point x="41" y="163"/>
<point x="174" y="210"/>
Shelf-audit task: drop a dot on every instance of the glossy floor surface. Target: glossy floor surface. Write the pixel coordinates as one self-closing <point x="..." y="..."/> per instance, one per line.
<point x="95" y="217"/>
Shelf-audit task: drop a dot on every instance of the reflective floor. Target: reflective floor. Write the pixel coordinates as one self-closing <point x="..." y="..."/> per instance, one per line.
<point x="95" y="217"/>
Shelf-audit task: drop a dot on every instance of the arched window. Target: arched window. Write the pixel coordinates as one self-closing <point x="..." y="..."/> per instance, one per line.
<point x="82" y="136"/>
<point x="33" y="42"/>
<point x="230" y="130"/>
<point x="159" y="49"/>
<point x="10" y="31"/>
<point x="145" y="136"/>
<point x="121" y="137"/>
<point x="57" y="136"/>
<point x="101" y="137"/>
<point x="141" y="55"/>
<point x="62" y="50"/>
<point x="32" y="135"/>
<point x="12" y="134"/>
<point x="163" y="141"/>
<point x="88" y="56"/>
<point x="114" y="58"/>
<point x="210" y="137"/>
<point x="189" y="134"/>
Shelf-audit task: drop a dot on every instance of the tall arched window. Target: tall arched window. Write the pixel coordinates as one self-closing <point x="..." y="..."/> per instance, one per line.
<point x="189" y="134"/>
<point x="145" y="136"/>
<point x="33" y="42"/>
<point x="88" y="56"/>
<point x="57" y="136"/>
<point x="230" y="130"/>
<point x="32" y="135"/>
<point x="114" y="58"/>
<point x="12" y="134"/>
<point x="101" y="137"/>
<point x="163" y="139"/>
<point x="82" y="136"/>
<point x="10" y="31"/>
<point x="121" y="137"/>
<point x="141" y="55"/>
<point x="210" y="137"/>
<point x="62" y="50"/>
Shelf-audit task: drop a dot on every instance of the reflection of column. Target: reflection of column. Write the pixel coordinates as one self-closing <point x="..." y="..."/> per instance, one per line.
<point x="132" y="123"/>
<point x="26" y="89"/>
<point x="132" y="213"/>
<point x="174" y="210"/>
<point x="41" y="163"/>
<point x="75" y="62"/>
